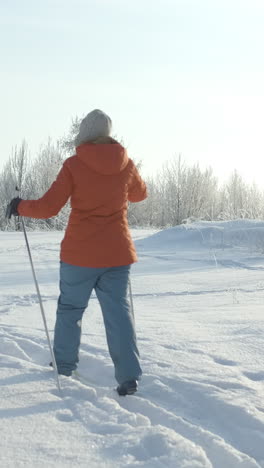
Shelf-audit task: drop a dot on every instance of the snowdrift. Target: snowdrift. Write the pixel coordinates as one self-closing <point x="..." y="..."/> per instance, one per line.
<point x="206" y="234"/>
<point x="198" y="294"/>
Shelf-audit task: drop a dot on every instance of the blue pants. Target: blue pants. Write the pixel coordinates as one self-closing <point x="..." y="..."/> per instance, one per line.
<point x="111" y="288"/>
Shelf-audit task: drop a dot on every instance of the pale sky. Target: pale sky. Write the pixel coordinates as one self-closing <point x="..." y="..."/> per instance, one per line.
<point x="175" y="76"/>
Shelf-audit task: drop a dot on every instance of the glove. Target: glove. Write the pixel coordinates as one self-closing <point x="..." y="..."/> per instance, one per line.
<point x="12" y="207"/>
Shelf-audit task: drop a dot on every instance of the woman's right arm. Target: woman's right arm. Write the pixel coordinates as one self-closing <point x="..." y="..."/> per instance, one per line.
<point x="137" y="190"/>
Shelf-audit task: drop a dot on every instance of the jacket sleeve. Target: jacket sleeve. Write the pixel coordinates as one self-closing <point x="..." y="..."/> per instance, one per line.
<point x="52" y="201"/>
<point x="137" y="190"/>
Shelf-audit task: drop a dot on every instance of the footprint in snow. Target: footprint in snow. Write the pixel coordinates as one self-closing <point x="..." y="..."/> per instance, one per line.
<point x="64" y="415"/>
<point x="255" y="376"/>
<point x="259" y="408"/>
<point x="224" y="362"/>
<point x="170" y="347"/>
<point x="162" y="364"/>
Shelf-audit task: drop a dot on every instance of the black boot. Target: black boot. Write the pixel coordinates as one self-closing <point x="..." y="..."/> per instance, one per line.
<point x="127" y="388"/>
<point x="66" y="373"/>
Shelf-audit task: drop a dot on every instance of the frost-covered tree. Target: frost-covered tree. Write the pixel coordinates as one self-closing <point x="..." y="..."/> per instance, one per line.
<point x="67" y="143"/>
<point x="14" y="175"/>
<point x="174" y="193"/>
<point x="233" y="197"/>
<point x="44" y="170"/>
<point x="254" y="202"/>
<point x="201" y="193"/>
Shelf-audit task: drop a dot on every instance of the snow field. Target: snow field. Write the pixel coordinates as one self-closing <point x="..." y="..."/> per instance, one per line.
<point x="198" y="295"/>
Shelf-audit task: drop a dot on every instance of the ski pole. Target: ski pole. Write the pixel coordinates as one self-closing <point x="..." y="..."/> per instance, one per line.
<point x="40" y="303"/>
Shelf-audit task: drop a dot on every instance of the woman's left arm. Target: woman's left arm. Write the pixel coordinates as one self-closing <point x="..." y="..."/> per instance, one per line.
<point x="52" y="201"/>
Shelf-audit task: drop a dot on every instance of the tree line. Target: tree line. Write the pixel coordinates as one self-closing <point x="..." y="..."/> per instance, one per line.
<point x="178" y="193"/>
<point x="182" y="193"/>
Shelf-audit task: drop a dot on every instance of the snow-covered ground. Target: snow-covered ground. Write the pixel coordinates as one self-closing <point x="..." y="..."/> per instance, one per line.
<point x="199" y="303"/>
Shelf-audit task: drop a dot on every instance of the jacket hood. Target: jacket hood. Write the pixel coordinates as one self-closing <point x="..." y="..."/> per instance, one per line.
<point x="105" y="156"/>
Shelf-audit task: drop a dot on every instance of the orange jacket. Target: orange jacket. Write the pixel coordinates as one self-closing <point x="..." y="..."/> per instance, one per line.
<point x="100" y="180"/>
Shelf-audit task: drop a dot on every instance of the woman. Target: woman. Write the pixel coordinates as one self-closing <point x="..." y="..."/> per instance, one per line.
<point x="97" y="249"/>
